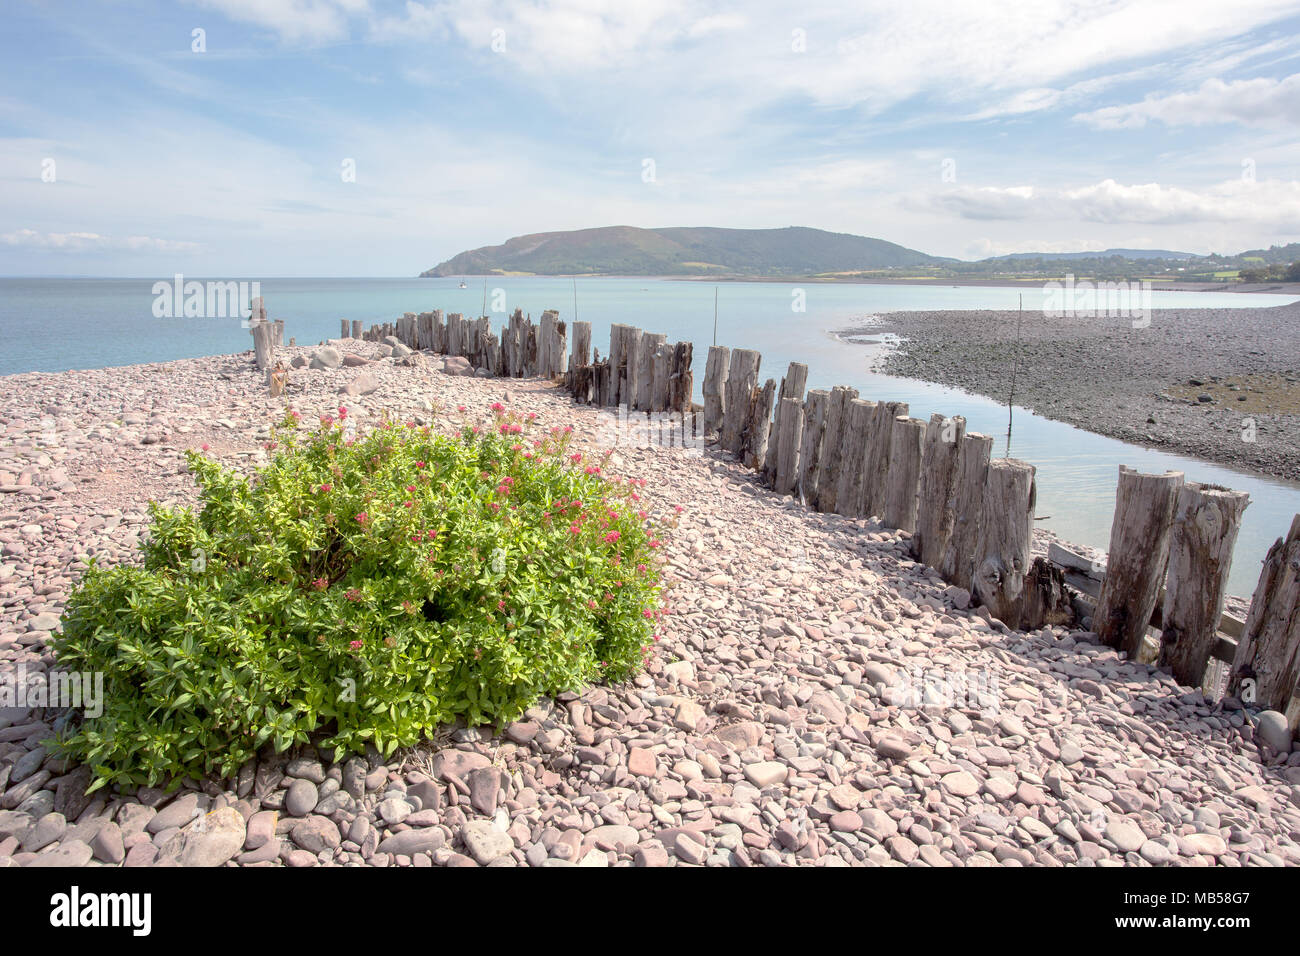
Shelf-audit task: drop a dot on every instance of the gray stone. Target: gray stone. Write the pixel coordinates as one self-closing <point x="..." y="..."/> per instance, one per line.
<point x="484" y="842"/>
<point x="1272" y="729"/>
<point x="301" y="798"/>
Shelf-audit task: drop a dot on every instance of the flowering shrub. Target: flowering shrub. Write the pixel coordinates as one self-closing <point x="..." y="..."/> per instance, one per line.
<point x="370" y="588"/>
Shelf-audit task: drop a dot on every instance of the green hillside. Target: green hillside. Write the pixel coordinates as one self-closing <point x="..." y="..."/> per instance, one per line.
<point x="626" y="250"/>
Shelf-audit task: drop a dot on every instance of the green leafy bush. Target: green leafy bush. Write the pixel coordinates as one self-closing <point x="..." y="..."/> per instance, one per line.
<point x="370" y="587"/>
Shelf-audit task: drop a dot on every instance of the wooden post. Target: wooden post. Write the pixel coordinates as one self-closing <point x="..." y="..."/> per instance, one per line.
<point x="958" y="564"/>
<point x="681" y="380"/>
<point x="644" y="385"/>
<point x="758" y="425"/>
<point x="837" y="410"/>
<point x="347" y="327"/>
<point x="788" y="437"/>
<point x="810" y="444"/>
<point x="934" y="506"/>
<point x="853" y="449"/>
<point x="1047" y="600"/>
<point x="1206" y="521"/>
<point x="661" y="379"/>
<point x="904" y="473"/>
<point x="356" y="328"/>
<point x="1138" y="557"/>
<point x="600" y="386"/>
<point x="715" y="389"/>
<point x="263" y="345"/>
<point x="581" y="345"/>
<point x="1006" y="527"/>
<point x="876" y="460"/>
<point x="792" y="386"/>
<point x="1268" y="652"/>
<point x="277" y="333"/>
<point x="742" y="379"/>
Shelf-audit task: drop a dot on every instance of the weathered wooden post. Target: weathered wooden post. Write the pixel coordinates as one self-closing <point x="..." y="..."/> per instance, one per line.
<point x="742" y="379"/>
<point x="837" y="410"/>
<point x="758" y="426"/>
<point x="810" y="443"/>
<point x="904" y="473"/>
<point x="934" y="505"/>
<point x="347" y="327"/>
<point x="581" y="345"/>
<point x="1006" y="528"/>
<point x="681" y="380"/>
<point x="1138" y="557"/>
<point x="853" y="449"/>
<point x="1266" y="667"/>
<point x="788" y="436"/>
<point x="958" y="564"/>
<point x="792" y="386"/>
<point x="715" y="388"/>
<point x="356" y="328"/>
<point x="644" y="386"/>
<point x="263" y="344"/>
<point x="661" y="379"/>
<point x="1206" y="521"/>
<point x="277" y="333"/>
<point x="876" y="460"/>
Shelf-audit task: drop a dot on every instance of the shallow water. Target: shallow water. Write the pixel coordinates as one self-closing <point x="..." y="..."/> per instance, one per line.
<point x="56" y="324"/>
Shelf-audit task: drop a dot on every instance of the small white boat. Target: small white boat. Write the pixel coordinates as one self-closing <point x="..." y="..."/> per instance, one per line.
<point x="463" y="285"/>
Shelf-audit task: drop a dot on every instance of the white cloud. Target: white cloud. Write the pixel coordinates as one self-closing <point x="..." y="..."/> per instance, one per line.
<point x="294" y="20"/>
<point x="1256" y="102"/>
<point x="93" y="242"/>
<point x="1271" y="204"/>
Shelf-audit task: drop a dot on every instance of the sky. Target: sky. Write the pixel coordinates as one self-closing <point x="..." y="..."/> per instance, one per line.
<point x="245" y="138"/>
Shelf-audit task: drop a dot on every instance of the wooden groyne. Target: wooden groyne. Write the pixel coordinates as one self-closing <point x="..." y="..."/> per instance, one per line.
<point x="968" y="515"/>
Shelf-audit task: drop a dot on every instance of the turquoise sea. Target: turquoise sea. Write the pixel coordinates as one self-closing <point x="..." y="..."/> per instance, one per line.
<point x="57" y="324"/>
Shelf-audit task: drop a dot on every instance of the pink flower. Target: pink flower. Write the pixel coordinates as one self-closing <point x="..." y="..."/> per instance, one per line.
<point x="362" y="517"/>
<point x="641" y="568"/>
<point x="353" y="594"/>
<point x="461" y="408"/>
<point x="497" y="407"/>
<point x="419" y="464"/>
<point x="575" y="457"/>
<point x="501" y="605"/>
<point x="343" y="412"/>
<point x="575" y="528"/>
<point x="411" y="489"/>
<point x="678" y="508"/>
<point x="325" y="489"/>
<point x="430" y="535"/>
<point x="205" y="446"/>
<point x="320" y="584"/>
<point x="518" y="448"/>
<point x="592" y="470"/>
<point x="647" y="613"/>
<point x="591" y="603"/>
<point x="611" y="537"/>
<point x="356" y="645"/>
<point x="409" y="504"/>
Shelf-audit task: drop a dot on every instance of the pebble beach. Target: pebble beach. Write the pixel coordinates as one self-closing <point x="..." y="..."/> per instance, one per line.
<point x="1218" y="384"/>
<point x="817" y="699"/>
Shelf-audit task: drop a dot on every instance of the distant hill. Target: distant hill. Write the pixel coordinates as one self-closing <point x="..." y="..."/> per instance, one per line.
<point x="627" y="250"/>
<point x="1104" y="254"/>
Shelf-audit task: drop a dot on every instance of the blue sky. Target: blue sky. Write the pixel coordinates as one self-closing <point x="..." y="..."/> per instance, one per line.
<point x="1067" y="125"/>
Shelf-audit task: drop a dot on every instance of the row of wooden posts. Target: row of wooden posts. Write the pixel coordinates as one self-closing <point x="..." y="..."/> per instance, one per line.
<point x="970" y="516"/>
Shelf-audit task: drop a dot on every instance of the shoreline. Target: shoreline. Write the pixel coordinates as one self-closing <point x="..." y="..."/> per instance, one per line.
<point x="1221" y="385"/>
